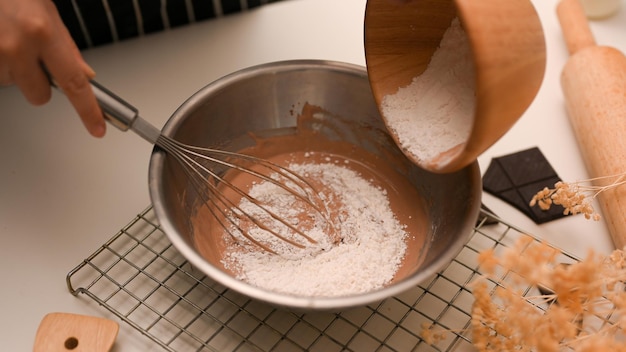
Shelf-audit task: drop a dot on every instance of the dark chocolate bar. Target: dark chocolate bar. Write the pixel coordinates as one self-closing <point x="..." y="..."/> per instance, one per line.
<point x="517" y="177"/>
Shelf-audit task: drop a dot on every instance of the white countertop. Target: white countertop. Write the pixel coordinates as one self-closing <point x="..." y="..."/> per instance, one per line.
<point x="63" y="193"/>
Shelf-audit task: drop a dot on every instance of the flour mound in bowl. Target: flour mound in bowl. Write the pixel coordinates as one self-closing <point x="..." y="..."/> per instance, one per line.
<point x="433" y="116"/>
<point x="363" y="254"/>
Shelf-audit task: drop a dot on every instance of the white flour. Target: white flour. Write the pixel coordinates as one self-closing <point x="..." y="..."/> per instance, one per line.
<point x="435" y="112"/>
<point x="371" y="249"/>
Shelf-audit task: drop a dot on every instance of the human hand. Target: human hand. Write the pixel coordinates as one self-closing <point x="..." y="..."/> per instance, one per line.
<point x="32" y="35"/>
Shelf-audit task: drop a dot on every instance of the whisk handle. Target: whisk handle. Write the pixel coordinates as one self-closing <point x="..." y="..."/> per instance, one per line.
<point x="122" y="114"/>
<point x="119" y="112"/>
<point x="116" y="110"/>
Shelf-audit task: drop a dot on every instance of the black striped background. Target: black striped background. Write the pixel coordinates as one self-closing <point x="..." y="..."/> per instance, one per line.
<point x="97" y="22"/>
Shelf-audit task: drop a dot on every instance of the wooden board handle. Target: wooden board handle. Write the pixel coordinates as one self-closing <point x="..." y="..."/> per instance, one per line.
<point x="75" y="333"/>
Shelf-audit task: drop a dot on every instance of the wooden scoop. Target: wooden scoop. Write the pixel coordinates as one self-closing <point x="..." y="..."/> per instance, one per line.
<point x="508" y="50"/>
<point x="594" y="85"/>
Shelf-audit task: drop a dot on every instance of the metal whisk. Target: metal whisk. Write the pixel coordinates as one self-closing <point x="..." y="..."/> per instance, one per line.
<point x="198" y="164"/>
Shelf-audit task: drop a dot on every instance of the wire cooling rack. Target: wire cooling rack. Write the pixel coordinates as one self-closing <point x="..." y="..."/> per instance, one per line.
<point x="140" y="277"/>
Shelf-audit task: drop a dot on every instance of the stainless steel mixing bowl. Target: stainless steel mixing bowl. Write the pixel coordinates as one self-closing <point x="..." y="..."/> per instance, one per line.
<point x="268" y="97"/>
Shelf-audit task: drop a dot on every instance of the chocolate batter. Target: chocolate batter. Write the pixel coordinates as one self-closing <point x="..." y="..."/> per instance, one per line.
<point x="318" y="138"/>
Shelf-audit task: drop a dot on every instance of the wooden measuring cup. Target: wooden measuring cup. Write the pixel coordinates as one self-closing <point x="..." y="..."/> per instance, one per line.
<point x="508" y="50"/>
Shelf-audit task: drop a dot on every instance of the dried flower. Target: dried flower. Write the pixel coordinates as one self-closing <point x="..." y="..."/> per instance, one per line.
<point x="527" y="300"/>
<point x="576" y="197"/>
<point x="583" y="310"/>
<point x="431" y="336"/>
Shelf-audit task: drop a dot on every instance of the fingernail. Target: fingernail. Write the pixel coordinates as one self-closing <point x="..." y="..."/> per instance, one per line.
<point x="98" y="130"/>
<point x="89" y="71"/>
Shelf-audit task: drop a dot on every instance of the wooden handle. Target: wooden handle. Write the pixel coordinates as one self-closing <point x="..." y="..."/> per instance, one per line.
<point x="594" y="85"/>
<point x="71" y="332"/>
<point x="574" y="25"/>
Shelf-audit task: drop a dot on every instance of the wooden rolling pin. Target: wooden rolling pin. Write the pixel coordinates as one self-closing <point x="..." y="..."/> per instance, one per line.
<point x="594" y="85"/>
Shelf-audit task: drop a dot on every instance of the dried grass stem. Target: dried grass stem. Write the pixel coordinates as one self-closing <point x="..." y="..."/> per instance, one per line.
<point x="576" y="197"/>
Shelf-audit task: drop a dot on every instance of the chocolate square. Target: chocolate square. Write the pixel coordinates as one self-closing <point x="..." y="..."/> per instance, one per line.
<point x="517" y="177"/>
